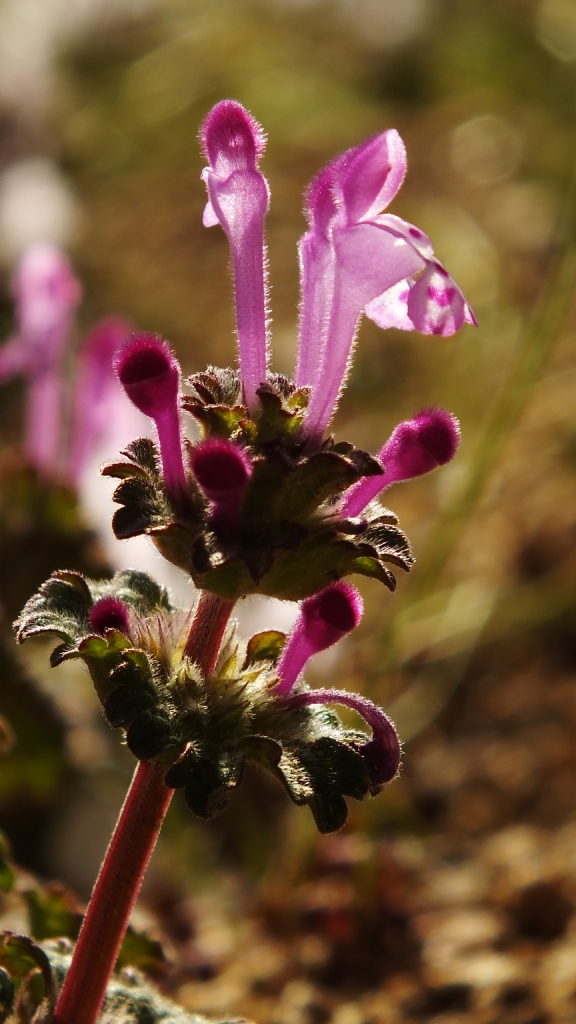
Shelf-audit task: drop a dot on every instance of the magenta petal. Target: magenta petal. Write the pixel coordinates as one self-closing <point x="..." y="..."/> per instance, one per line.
<point x="15" y="358"/>
<point x="369" y="261"/>
<point x="109" y="613"/>
<point x="222" y="469"/>
<point x="435" y="304"/>
<point x="231" y="138"/>
<point x="415" y="447"/>
<point x="382" y="753"/>
<point x="371" y="175"/>
<point x="317" y="266"/>
<point x="150" y="375"/>
<point x="391" y="308"/>
<point x="324" y="619"/>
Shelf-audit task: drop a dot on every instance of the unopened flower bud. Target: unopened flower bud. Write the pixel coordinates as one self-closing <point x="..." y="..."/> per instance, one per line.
<point x="324" y="619"/>
<point x="415" y="447"/>
<point x="222" y="470"/>
<point x="150" y="376"/>
<point x="109" y="613"/>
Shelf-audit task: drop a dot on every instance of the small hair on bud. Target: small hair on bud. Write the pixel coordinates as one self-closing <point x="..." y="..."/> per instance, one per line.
<point x="231" y="138"/>
<point x="221" y="468"/>
<point x="420" y="445"/>
<point x="109" y="613"/>
<point x="324" y="619"/>
<point x="149" y="373"/>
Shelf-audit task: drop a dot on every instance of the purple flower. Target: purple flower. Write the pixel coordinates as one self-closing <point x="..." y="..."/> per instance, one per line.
<point x="150" y="376"/>
<point x="47" y="294"/>
<point x="356" y="259"/>
<point x="238" y="198"/>
<point x="382" y="753"/>
<point x="324" y="619"/>
<point x="98" y="398"/>
<point x="415" y="447"/>
<point x="222" y="470"/>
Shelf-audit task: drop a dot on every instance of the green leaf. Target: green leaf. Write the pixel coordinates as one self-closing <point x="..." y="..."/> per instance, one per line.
<point x="6" y="995"/>
<point x="322" y="475"/>
<point x="61" y="606"/>
<point x="123" y="471"/>
<point x="54" y="912"/>
<point x="6" y="871"/>
<point x="329" y="810"/>
<point x="126" y="702"/>
<point x="141" y="591"/>
<point x="139" y="950"/>
<point x="335" y="766"/>
<point x="149" y="735"/>
<point x="207" y="780"/>
<point x="262" y="749"/>
<point x="144" y="453"/>
<point x="371" y="567"/>
<point x="265" y="646"/>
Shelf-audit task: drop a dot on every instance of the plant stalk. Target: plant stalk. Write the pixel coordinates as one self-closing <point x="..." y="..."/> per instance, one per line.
<point x="129" y="851"/>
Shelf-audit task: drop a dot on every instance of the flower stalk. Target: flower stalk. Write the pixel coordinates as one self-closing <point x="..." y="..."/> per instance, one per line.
<point x="129" y="852"/>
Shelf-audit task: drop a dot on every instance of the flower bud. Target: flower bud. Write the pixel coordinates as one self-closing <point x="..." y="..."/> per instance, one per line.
<point x="222" y="470"/>
<point x="109" y="613"/>
<point x="150" y="376"/>
<point x="324" y="619"/>
<point x="415" y="447"/>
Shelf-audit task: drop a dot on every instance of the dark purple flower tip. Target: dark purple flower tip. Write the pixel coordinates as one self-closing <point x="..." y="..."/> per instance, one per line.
<point x="231" y="138"/>
<point x="419" y="445"/>
<point x="110" y="613"/>
<point x="221" y="468"/>
<point x="331" y="614"/>
<point x="149" y="374"/>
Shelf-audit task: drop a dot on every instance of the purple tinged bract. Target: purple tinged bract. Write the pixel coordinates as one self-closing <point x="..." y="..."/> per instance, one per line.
<point x="415" y="447"/>
<point x="324" y="619"/>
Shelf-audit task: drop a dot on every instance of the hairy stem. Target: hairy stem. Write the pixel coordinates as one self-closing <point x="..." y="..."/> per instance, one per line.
<point x="129" y="851"/>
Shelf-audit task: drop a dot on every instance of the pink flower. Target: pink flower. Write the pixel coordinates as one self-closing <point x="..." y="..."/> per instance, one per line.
<point x="47" y="294"/>
<point x="222" y="470"/>
<point x="415" y="447"/>
<point x="354" y="258"/>
<point x="324" y="619"/>
<point x="150" y="376"/>
<point x="238" y="198"/>
<point x="99" y="403"/>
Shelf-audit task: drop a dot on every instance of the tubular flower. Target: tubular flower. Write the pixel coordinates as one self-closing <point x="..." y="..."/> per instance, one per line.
<point x="262" y="502"/>
<point x="47" y="294"/>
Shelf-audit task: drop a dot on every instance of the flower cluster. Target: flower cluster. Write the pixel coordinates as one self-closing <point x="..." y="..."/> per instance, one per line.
<point x="264" y="501"/>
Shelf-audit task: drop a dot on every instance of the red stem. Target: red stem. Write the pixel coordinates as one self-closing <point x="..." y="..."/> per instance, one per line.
<point x="129" y="851"/>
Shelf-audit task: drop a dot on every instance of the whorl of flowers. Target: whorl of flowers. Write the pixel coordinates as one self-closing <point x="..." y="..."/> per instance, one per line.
<point x="265" y="502"/>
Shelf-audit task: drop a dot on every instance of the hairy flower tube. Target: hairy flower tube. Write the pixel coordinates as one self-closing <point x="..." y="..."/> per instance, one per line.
<point x="263" y="502"/>
<point x="415" y="447"/>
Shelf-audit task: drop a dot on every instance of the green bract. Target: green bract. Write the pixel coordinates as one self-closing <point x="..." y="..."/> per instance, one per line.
<point x="202" y="727"/>
<point x="289" y="541"/>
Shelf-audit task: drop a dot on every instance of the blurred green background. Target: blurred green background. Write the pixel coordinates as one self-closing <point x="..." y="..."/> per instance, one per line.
<point x="475" y="654"/>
